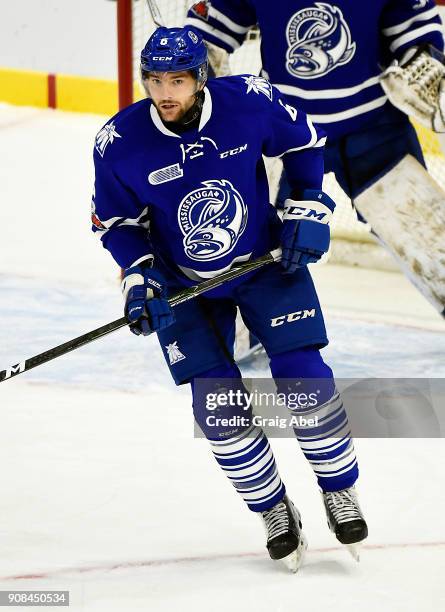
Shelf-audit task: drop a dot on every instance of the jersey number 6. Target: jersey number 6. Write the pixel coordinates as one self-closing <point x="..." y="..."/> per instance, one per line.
<point x="290" y="109"/>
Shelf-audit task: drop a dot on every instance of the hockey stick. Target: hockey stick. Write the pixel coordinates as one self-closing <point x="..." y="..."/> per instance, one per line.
<point x="185" y="295"/>
<point x="155" y="13"/>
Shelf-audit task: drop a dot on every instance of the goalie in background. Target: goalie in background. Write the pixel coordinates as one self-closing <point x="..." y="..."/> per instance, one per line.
<point x="327" y="59"/>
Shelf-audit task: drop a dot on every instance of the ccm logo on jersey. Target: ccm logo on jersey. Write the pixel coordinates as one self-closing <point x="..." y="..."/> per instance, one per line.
<point x="235" y="151"/>
<point x="291" y="317"/>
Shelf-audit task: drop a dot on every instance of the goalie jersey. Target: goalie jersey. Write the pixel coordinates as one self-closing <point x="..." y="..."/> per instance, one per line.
<point x="326" y="57"/>
<point x="200" y="200"/>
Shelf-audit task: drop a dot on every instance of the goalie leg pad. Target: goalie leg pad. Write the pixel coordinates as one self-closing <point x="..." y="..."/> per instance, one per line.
<point x="406" y="210"/>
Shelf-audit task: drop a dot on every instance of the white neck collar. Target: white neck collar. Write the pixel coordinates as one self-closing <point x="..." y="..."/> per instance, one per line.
<point x="206" y="113"/>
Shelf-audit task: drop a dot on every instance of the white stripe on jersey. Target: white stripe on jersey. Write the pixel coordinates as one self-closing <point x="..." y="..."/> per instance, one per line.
<point x="114" y="221"/>
<point x="199" y="275"/>
<point x="231" y="25"/>
<point x="401" y="27"/>
<point x="352" y="112"/>
<point x="321" y="142"/>
<point x="109" y="223"/>
<point x="413" y="34"/>
<point x="312" y="142"/>
<point x="229" y="40"/>
<point x="141" y="259"/>
<point x="321" y="94"/>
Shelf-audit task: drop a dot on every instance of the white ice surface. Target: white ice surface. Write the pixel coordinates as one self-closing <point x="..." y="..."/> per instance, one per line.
<point x="105" y="492"/>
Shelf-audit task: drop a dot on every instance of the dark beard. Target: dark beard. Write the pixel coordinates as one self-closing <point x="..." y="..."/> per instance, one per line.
<point x="190" y="119"/>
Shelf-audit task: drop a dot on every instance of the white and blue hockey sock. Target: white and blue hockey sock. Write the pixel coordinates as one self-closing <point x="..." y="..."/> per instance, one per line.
<point x="326" y="441"/>
<point x="248" y="462"/>
<point x="240" y="448"/>
<point x="328" y="445"/>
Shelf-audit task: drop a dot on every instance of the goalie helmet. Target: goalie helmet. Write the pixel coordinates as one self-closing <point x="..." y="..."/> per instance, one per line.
<point x="174" y="50"/>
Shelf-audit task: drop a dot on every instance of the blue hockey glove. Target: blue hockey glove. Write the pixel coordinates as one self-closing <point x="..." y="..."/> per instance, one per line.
<point x="145" y="294"/>
<point x="305" y="236"/>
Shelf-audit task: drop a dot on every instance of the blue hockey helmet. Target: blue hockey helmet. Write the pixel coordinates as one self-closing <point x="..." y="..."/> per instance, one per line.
<point x="174" y="50"/>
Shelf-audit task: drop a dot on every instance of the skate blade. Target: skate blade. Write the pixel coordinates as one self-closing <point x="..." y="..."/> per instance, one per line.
<point x="294" y="561"/>
<point x="354" y="550"/>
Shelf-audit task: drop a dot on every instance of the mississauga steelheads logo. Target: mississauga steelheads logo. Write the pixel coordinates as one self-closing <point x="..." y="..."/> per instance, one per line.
<point x="319" y="40"/>
<point x="212" y="219"/>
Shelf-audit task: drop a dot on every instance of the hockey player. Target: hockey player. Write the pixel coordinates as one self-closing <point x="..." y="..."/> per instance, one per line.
<point x="181" y="194"/>
<point x="327" y="58"/>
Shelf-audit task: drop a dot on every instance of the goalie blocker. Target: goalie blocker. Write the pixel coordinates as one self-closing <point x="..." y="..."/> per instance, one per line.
<point x="406" y="209"/>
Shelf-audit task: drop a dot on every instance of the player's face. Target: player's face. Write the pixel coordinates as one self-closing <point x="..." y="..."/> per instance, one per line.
<point x="173" y="93"/>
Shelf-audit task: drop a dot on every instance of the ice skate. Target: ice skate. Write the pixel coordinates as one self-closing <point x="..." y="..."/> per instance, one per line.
<point x="285" y="540"/>
<point x="345" y="519"/>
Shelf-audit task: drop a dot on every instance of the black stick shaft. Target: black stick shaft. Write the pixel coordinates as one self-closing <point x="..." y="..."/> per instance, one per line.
<point x="183" y="296"/>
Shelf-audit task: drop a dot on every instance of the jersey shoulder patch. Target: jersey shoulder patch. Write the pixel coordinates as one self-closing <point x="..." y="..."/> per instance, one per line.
<point x="248" y="84"/>
<point x="106" y="136"/>
<point x="249" y="93"/>
<point x="258" y="85"/>
<point x="118" y="127"/>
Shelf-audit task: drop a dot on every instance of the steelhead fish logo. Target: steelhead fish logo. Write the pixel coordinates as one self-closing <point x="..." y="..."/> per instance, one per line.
<point x="319" y="40"/>
<point x="212" y="220"/>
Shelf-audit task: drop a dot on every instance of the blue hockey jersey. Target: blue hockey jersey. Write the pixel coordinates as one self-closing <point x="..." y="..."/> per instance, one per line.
<point x="200" y="200"/>
<point x="325" y="56"/>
